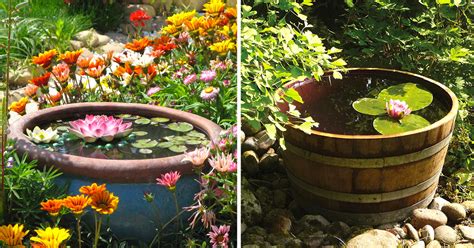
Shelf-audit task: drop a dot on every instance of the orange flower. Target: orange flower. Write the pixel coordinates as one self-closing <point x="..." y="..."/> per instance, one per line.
<point x="151" y="71"/>
<point x="193" y="24"/>
<point x="77" y="203"/>
<point x="70" y="57"/>
<point x="52" y="206"/>
<point x="180" y="18"/>
<point x="19" y="106"/>
<point x="230" y="12"/>
<point x="96" y="61"/>
<point x="121" y="70"/>
<point x="92" y="189"/>
<point x="45" y="59"/>
<point x="104" y="202"/>
<point x="95" y="72"/>
<point x="31" y="89"/>
<point x="208" y="23"/>
<point x="56" y="97"/>
<point x="41" y="80"/>
<point x="83" y="62"/>
<point x="214" y="7"/>
<point x="138" y="45"/>
<point x="61" y="72"/>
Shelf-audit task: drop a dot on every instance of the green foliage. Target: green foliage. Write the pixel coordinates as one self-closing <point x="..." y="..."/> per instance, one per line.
<point x="26" y="187"/>
<point x="279" y="48"/>
<point x="105" y="15"/>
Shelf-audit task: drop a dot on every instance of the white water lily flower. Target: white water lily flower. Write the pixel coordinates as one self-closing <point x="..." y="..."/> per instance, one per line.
<point x="41" y="135"/>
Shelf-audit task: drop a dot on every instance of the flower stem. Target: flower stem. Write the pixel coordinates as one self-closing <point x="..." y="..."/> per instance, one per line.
<point x="79" y="240"/>
<point x="180" y="225"/>
<point x="98" y="224"/>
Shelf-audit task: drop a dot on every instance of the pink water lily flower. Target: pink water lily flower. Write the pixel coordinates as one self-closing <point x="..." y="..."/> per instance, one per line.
<point x="397" y="109"/>
<point x="222" y="162"/>
<point x="219" y="236"/>
<point x="169" y="180"/>
<point x="197" y="157"/>
<point x="95" y="127"/>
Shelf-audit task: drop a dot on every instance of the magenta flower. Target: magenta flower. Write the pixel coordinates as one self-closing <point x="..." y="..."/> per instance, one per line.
<point x="221" y="162"/>
<point x="197" y="157"/>
<point x="208" y="75"/>
<point x="95" y="127"/>
<point x="397" y="109"/>
<point x="232" y="167"/>
<point x="226" y="82"/>
<point x="219" y="236"/>
<point x="189" y="79"/>
<point x="210" y="93"/>
<point x="169" y="180"/>
<point x="153" y="90"/>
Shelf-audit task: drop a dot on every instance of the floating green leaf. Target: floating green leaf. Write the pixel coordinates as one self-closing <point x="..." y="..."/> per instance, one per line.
<point x="145" y="151"/>
<point x="160" y="119"/>
<point x="386" y="125"/>
<point x="369" y="106"/>
<point x="193" y="142"/>
<point x="196" y="134"/>
<point x="140" y="133"/>
<point x="62" y="128"/>
<point x="165" y="144"/>
<point x="143" y="121"/>
<point x="178" y="148"/>
<point x="149" y="144"/>
<point x="181" y="127"/>
<point x="124" y="116"/>
<point x="416" y="97"/>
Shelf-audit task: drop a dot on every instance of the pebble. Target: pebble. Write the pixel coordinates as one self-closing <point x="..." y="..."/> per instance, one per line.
<point x="438" y="203"/>
<point x="418" y="244"/>
<point x="263" y="141"/>
<point x="339" y="229"/>
<point x="278" y="221"/>
<point x="455" y="212"/>
<point x="269" y="161"/>
<point x="422" y="217"/>
<point x="374" y="239"/>
<point x="313" y="240"/>
<point x="399" y="232"/>
<point x="464" y="245"/>
<point x="411" y="232"/>
<point x="250" y="162"/>
<point x="250" y="144"/>
<point x="279" y="198"/>
<point x="445" y="234"/>
<point x="251" y="209"/>
<point x="313" y="221"/>
<point x="434" y="244"/>
<point x="426" y="233"/>
<point x="469" y="206"/>
<point x="467" y="232"/>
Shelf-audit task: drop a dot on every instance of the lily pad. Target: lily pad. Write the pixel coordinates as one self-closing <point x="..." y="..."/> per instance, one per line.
<point x="416" y="97"/>
<point x="160" y="119"/>
<point x="181" y="127"/>
<point x="196" y="134"/>
<point x="142" y="121"/>
<point x="149" y="144"/>
<point x="193" y="142"/>
<point x="165" y="144"/>
<point x="145" y="151"/>
<point x="370" y="106"/>
<point x="140" y="133"/>
<point x="143" y="140"/>
<point x="62" y="128"/>
<point x="178" y="149"/>
<point x="124" y="116"/>
<point x="386" y="125"/>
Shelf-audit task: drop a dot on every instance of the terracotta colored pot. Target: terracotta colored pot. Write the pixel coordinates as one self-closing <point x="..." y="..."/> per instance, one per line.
<point x="368" y="179"/>
<point x="128" y="179"/>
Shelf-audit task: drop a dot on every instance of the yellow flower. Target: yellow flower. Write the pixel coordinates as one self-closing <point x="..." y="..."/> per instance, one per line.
<point x="179" y="18"/>
<point x="19" y="106"/>
<point x="223" y="47"/>
<point x="51" y="237"/>
<point x="193" y="24"/>
<point x="12" y="236"/>
<point x="104" y="202"/>
<point x="214" y="7"/>
<point x="170" y="30"/>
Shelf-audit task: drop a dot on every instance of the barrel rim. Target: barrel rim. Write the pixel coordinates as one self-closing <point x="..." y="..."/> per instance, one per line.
<point x="448" y="117"/>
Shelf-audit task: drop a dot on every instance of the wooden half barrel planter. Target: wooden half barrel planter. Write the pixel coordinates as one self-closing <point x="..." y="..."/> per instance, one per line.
<point x="368" y="179"/>
<point x="128" y="179"/>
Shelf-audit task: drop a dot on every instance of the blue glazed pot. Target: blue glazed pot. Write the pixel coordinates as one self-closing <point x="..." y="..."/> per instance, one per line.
<point x="128" y="179"/>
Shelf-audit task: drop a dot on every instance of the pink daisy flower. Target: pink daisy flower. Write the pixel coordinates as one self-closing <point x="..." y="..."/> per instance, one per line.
<point x="189" y="79"/>
<point x="208" y="75"/>
<point x="169" y="180"/>
<point x="219" y="236"/>
<point x="210" y="93"/>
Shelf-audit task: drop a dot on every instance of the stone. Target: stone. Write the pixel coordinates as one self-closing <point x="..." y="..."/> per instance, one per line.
<point x="149" y="10"/>
<point x="418" y="244"/>
<point x="251" y="209"/>
<point x="76" y="45"/>
<point x="269" y="160"/>
<point x="422" y="217"/>
<point x="426" y="233"/>
<point x="434" y="244"/>
<point x="264" y="142"/>
<point x="279" y="198"/>
<point x="469" y="206"/>
<point x="281" y="183"/>
<point x="466" y="245"/>
<point x="313" y="240"/>
<point x="278" y="221"/>
<point x="339" y="229"/>
<point x="258" y="230"/>
<point x="296" y="210"/>
<point x="386" y="226"/>
<point x="102" y="40"/>
<point x="112" y="47"/>
<point x="20" y="77"/>
<point x="467" y="232"/>
<point x="277" y="239"/>
<point x="399" y="232"/>
<point x="373" y="239"/>
<point x="296" y="243"/>
<point x="89" y="38"/>
<point x="250" y="163"/>
<point x="438" y="203"/>
<point x="313" y="221"/>
<point x="455" y="212"/>
<point x="265" y="197"/>
<point x="249" y="144"/>
<point x="243" y="227"/>
<point x="445" y="234"/>
<point x="411" y="232"/>
<point x="281" y="168"/>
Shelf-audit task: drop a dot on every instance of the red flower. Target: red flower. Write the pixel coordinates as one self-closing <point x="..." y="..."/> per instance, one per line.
<point x="169" y="180"/>
<point x="138" y="17"/>
<point x="41" y="80"/>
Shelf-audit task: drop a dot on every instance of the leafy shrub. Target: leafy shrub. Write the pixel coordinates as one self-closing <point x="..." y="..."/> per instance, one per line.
<point x="278" y="48"/>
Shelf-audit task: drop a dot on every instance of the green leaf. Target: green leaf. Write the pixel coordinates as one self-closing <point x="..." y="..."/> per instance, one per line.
<point x="181" y="127"/>
<point x="306" y="127"/>
<point x="142" y="144"/>
<point x="140" y="133"/>
<point x="337" y="75"/>
<point x="143" y="121"/>
<point x="178" y="149"/>
<point x="369" y="106"/>
<point x="160" y="119"/>
<point x="386" y="125"/>
<point x="165" y="144"/>
<point x="416" y="97"/>
<point x="349" y="3"/>
<point x="145" y="151"/>
<point x="293" y="94"/>
<point x="339" y="63"/>
<point x="271" y="131"/>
